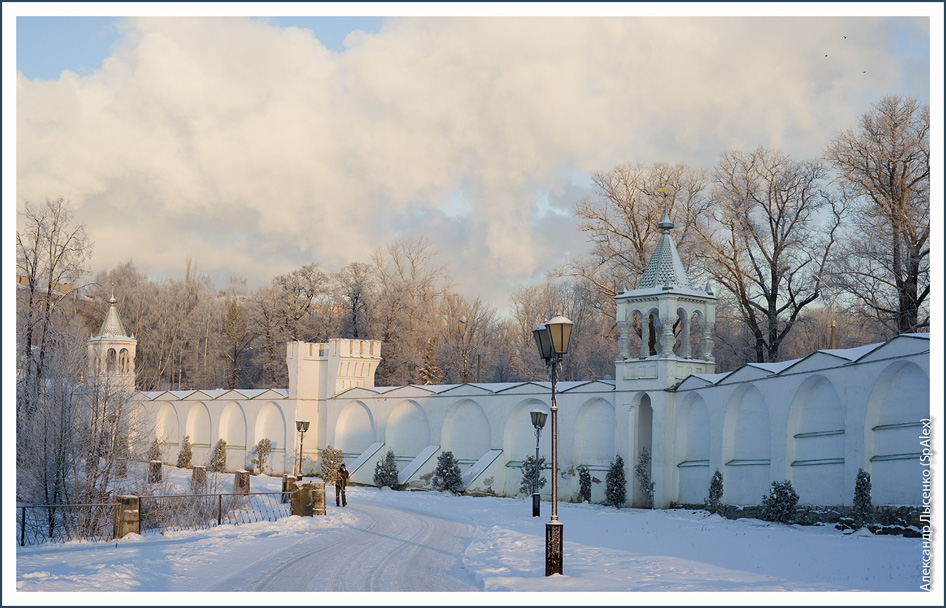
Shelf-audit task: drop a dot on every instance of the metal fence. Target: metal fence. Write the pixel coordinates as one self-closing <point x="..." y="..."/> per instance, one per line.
<point x="39" y="524"/>
<point x="198" y="511"/>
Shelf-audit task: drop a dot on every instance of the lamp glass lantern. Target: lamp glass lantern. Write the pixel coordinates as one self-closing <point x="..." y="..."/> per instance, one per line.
<point x="538" y="421"/>
<point x="302" y="426"/>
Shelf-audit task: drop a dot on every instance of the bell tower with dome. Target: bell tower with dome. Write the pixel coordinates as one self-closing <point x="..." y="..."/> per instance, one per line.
<point x="112" y="351"/>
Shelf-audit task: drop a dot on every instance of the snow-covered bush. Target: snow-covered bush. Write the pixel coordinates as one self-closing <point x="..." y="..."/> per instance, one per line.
<point x="385" y="472"/>
<point x="331" y="459"/>
<point x="447" y="476"/>
<point x="530" y="468"/>
<point x="780" y="504"/>
<point x="584" y="484"/>
<point x="863" y="511"/>
<point x="154" y="450"/>
<point x="218" y="462"/>
<point x="615" y="490"/>
<point x="261" y="454"/>
<point x="642" y="473"/>
<point x="184" y="456"/>
<point x="714" y="503"/>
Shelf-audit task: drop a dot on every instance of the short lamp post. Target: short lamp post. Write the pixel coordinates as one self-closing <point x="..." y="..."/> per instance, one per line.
<point x="538" y="421"/>
<point x="302" y="426"/>
<point x="552" y="338"/>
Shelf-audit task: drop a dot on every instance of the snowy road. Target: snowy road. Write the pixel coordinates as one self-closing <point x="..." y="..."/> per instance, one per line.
<point x="384" y="549"/>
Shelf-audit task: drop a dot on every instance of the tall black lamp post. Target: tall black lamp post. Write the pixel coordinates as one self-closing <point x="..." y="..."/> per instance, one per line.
<point x="552" y="339"/>
<point x="538" y="421"/>
<point x="302" y="426"/>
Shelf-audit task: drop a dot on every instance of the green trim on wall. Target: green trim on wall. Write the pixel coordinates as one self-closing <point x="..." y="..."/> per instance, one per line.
<point x="817" y="461"/>
<point x="886" y="457"/>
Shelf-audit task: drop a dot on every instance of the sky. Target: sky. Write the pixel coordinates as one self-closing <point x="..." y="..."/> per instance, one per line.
<point x="611" y="556"/>
<point x="254" y="143"/>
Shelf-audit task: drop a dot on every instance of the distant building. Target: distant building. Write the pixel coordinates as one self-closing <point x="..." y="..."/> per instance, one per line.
<point x="814" y="421"/>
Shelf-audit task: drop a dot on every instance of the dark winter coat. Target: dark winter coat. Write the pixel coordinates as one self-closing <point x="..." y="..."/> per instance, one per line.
<point x="341" y="478"/>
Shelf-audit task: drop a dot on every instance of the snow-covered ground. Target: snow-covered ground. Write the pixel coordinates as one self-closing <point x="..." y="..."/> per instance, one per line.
<point x="609" y="553"/>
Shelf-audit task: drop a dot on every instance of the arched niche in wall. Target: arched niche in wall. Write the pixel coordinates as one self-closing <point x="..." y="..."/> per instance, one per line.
<point x="271" y="424"/>
<point x="692" y="451"/>
<point x="747" y="447"/>
<point x="233" y="431"/>
<point x="519" y="441"/>
<point x="408" y="430"/>
<point x="594" y="434"/>
<point x="167" y="430"/>
<point x="466" y="431"/>
<point x="815" y="441"/>
<point x="354" y="431"/>
<point x="898" y="404"/>
<point x="198" y="428"/>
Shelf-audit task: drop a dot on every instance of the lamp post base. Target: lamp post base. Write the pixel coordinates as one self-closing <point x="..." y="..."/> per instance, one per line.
<point x="535" y="505"/>
<point x="553" y="547"/>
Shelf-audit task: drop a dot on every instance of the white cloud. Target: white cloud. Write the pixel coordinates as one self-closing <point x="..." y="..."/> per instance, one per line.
<point x="254" y="149"/>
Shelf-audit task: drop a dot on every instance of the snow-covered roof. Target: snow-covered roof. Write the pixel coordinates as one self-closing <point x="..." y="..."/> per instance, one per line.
<point x="903" y="344"/>
<point x="112" y="325"/>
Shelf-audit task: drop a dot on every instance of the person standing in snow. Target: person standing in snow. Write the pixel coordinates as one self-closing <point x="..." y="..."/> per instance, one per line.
<point x="341" y="480"/>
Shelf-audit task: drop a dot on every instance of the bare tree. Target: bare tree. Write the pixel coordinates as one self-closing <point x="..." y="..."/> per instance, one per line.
<point x="884" y="167"/>
<point x="411" y="285"/>
<point x="622" y="220"/>
<point x="771" y="231"/>
<point x="356" y="292"/>
<point x="51" y="250"/>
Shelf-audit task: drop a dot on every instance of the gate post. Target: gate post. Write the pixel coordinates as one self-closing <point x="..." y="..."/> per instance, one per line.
<point x="302" y="499"/>
<point x="127" y="516"/>
<point x="318" y="498"/>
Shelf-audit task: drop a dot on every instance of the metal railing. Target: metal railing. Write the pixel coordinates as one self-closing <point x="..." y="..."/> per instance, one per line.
<point x="39" y="524"/>
<point x="175" y="512"/>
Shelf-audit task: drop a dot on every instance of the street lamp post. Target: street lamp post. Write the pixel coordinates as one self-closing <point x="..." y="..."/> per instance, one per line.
<point x="538" y="421"/>
<point x="302" y="426"/>
<point x="552" y="338"/>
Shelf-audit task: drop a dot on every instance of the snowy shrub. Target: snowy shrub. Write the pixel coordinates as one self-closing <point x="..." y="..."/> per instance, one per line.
<point x="154" y="450"/>
<point x="261" y="454"/>
<point x="863" y="512"/>
<point x="615" y="489"/>
<point x="447" y="476"/>
<point x="780" y="504"/>
<point x="184" y="456"/>
<point x="385" y="472"/>
<point x="530" y="468"/>
<point x="584" y="484"/>
<point x="218" y="462"/>
<point x="642" y="474"/>
<point x="714" y="503"/>
<point x="331" y="460"/>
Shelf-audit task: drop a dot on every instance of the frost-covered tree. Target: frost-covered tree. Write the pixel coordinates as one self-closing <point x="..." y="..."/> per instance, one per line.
<point x="261" y="453"/>
<point x="154" y="450"/>
<point x="863" y="512"/>
<point x="584" y="484"/>
<point x="332" y="458"/>
<point x="531" y="472"/>
<point x="615" y="489"/>
<point x="218" y="462"/>
<point x="447" y="476"/>
<point x="184" y="456"/>
<point x="714" y="503"/>
<point x="385" y="472"/>
<point x="642" y="474"/>
<point x="780" y="504"/>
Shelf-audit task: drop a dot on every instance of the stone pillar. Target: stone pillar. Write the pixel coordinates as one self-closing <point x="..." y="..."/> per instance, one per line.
<point x="154" y="471"/>
<point x="301" y="499"/>
<point x="645" y="336"/>
<point x="287" y="481"/>
<point x="318" y="498"/>
<point x="199" y="478"/>
<point x="241" y="482"/>
<point x="706" y="342"/>
<point x="127" y="518"/>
